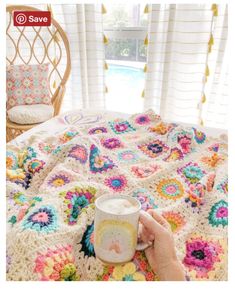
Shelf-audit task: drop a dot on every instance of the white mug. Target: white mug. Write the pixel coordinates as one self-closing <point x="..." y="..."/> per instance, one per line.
<point x="116" y="235"/>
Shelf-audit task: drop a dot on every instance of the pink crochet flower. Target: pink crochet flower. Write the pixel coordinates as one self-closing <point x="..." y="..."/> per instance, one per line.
<point x="143" y="172"/>
<point x="143" y="119"/>
<point x="201" y="255"/>
<point x="185" y="142"/>
<point x="117" y="183"/>
<point x="40" y="217"/>
<point x="121" y="127"/>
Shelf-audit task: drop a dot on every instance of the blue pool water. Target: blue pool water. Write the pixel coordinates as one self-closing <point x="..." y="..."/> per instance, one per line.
<point x="125" y="85"/>
<point x="125" y="73"/>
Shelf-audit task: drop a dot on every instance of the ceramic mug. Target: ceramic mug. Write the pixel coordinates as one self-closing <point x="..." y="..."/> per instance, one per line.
<point x="116" y="235"/>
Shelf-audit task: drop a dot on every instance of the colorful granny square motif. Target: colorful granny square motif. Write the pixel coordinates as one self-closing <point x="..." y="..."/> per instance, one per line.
<point x="116" y="183"/>
<point x="79" y="153"/>
<point x="76" y="200"/>
<point x="22" y="203"/>
<point x="223" y="186"/>
<point x="142" y="119"/>
<point x="43" y="220"/>
<point x="111" y="143"/>
<point x="199" y="136"/>
<point x="20" y="177"/>
<point x="196" y="193"/>
<point x="46" y="148"/>
<point x="175" y="219"/>
<point x="127" y="156"/>
<point x="87" y="241"/>
<point x="120" y="127"/>
<point x="98" y="130"/>
<point x="214" y="147"/>
<point x="60" y="179"/>
<point x="99" y="163"/>
<point x="174" y="155"/>
<point x="213" y="160"/>
<point x="161" y="128"/>
<point x="219" y="214"/>
<point x="145" y="171"/>
<point x="67" y="136"/>
<point x="170" y="189"/>
<point x="26" y="155"/>
<point x="191" y="173"/>
<point x="11" y="161"/>
<point x="153" y="149"/>
<point x="201" y="255"/>
<point x="147" y="201"/>
<point x="35" y="165"/>
<point x="138" y="269"/>
<point x="57" y="264"/>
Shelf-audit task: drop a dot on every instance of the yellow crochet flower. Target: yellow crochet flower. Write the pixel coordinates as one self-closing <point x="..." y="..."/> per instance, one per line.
<point x="161" y="128"/>
<point x="17" y="174"/>
<point x="127" y="272"/>
<point x="21" y="156"/>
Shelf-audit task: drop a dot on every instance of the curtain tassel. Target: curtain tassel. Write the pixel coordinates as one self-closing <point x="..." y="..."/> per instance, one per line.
<point x="146" y="9"/>
<point x="143" y="93"/>
<point x="54" y="84"/>
<point x="207" y="72"/>
<point x="201" y="122"/>
<point x="106" y="67"/>
<point x="214" y="9"/>
<point x="209" y="48"/>
<point x="145" y="68"/>
<point x="106" y="89"/>
<point x="106" y="40"/>
<point x="104" y="10"/>
<point x="210" y="43"/>
<point x="203" y="98"/>
<point x="146" y="41"/>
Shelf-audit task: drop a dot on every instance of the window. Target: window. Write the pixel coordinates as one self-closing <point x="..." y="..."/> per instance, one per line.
<point x="125" y="25"/>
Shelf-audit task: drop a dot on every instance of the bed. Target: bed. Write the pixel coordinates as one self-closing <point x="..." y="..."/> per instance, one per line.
<point x="56" y="170"/>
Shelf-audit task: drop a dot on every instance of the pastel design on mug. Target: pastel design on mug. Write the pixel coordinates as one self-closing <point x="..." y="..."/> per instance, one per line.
<point x="116" y="236"/>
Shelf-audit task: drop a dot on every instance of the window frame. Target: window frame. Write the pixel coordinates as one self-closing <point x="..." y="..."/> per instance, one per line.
<point x="138" y="33"/>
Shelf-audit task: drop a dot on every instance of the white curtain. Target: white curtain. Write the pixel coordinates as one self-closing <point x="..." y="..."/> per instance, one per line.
<point x="84" y="28"/>
<point x="185" y="81"/>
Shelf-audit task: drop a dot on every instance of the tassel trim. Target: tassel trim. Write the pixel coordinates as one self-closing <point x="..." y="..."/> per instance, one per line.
<point x="105" y="39"/>
<point x="104" y="10"/>
<point x="146" y="9"/>
<point x="146" y="41"/>
<point x="214" y="9"/>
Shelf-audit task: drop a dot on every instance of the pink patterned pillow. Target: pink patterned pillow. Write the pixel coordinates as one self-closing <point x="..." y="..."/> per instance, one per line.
<point x="27" y="84"/>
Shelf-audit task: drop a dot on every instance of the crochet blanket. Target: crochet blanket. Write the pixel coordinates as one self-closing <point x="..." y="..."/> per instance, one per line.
<point x="53" y="180"/>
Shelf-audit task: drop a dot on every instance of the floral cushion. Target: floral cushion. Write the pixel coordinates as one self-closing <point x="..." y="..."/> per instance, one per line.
<point x="27" y="84"/>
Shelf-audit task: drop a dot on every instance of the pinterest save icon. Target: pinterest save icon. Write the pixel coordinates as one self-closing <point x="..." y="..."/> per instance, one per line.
<point x="32" y="18"/>
<point x="20" y="18"/>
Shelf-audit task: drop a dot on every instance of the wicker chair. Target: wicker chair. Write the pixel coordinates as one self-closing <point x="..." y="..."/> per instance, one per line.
<point x="54" y="49"/>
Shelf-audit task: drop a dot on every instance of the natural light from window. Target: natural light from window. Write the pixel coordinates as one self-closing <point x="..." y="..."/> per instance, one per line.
<point x="126" y="27"/>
